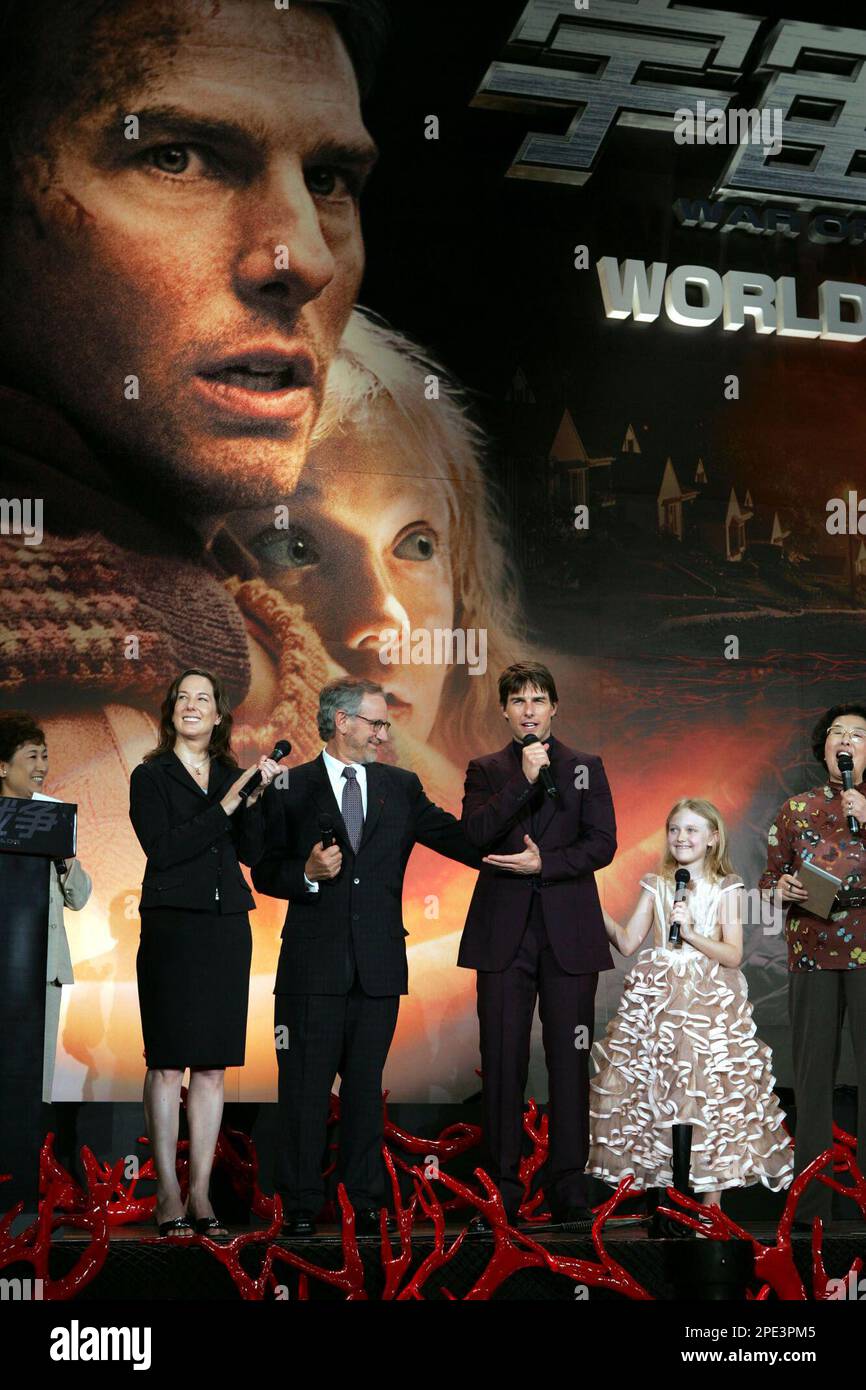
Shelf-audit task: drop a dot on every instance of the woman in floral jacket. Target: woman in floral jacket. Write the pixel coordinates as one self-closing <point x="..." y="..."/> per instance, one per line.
<point x="826" y="959"/>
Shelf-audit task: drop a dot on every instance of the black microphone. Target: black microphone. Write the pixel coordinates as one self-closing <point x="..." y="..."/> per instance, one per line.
<point x="281" y="750"/>
<point x="681" y="879"/>
<point x="326" y="830"/>
<point x="544" y="775"/>
<point x="845" y="764"/>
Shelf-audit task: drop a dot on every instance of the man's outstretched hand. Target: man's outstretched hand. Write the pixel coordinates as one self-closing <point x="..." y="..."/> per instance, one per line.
<point x="528" y="861"/>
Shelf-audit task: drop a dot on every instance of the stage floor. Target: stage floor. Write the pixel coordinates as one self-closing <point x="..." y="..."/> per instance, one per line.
<point x="629" y="1229"/>
<point x="139" y="1265"/>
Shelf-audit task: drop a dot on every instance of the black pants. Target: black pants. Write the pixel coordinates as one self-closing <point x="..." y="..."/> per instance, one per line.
<point x="330" y="1033"/>
<point x="817" y="1002"/>
<point x="24" y="1120"/>
<point x="506" y="1003"/>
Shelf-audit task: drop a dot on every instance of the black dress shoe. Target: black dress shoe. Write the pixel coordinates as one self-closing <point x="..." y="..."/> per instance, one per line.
<point x="301" y="1224"/>
<point x="666" y="1228"/>
<point x="367" y="1222"/>
<point x="574" y="1218"/>
<point x="479" y="1226"/>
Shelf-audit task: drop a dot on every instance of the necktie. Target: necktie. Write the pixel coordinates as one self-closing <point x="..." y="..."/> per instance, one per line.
<point x="353" y="808"/>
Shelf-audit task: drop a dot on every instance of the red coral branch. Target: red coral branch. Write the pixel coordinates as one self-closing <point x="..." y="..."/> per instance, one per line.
<point x="774" y="1264"/>
<point x="106" y="1200"/>
<point x="33" y="1245"/>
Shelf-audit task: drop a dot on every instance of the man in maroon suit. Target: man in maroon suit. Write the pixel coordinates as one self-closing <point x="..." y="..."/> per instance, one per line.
<point x="544" y="815"/>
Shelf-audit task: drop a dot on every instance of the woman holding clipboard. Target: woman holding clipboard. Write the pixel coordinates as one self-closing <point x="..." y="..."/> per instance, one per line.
<point x="811" y="839"/>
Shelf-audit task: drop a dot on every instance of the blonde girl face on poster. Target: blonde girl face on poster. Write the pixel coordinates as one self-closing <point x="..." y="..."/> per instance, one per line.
<point x="392" y="536"/>
<point x="366" y="552"/>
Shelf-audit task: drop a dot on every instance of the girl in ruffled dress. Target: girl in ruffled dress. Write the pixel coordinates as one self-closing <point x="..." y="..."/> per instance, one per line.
<point x="682" y="1079"/>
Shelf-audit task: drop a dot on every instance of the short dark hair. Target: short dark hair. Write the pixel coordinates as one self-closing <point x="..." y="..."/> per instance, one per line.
<point x="345" y="693"/>
<point x="523" y="673"/>
<point x="17" y="727"/>
<point x="819" y="733"/>
<point x="364" y="27"/>
<point x="48" y="59"/>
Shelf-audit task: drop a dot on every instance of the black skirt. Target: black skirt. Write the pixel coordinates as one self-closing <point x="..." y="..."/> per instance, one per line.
<point x="193" y="973"/>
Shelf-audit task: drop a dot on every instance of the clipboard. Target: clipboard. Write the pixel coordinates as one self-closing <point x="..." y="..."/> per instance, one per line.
<point x="821" y="886"/>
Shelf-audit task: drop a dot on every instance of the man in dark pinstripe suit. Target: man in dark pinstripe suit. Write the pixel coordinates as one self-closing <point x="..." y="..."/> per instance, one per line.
<point x="342" y="965"/>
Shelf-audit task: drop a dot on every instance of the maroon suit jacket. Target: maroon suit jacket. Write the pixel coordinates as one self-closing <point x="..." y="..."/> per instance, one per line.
<point x="576" y="834"/>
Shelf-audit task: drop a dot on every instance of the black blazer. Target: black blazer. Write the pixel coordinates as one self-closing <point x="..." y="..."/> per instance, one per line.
<point x="192" y="846"/>
<point x="363" y="904"/>
<point x="576" y="834"/>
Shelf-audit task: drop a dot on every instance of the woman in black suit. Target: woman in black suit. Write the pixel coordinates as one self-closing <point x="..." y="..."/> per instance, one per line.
<point x="193" y="960"/>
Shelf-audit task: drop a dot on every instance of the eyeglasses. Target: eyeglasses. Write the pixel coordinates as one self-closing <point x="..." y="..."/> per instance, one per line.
<point x="377" y="725"/>
<point x="855" y="735"/>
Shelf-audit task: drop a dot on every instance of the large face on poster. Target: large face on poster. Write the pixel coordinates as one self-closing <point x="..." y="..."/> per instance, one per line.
<point x="575" y="378"/>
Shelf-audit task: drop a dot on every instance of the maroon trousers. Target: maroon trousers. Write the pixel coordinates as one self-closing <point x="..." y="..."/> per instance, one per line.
<point x="506" y="1003"/>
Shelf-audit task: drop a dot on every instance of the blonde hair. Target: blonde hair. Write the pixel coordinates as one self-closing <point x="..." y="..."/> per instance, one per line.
<point x="718" y="863"/>
<point x="377" y="366"/>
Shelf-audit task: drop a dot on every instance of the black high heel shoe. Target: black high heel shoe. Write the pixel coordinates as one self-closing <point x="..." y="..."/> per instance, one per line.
<point x="208" y="1226"/>
<point x="173" y="1227"/>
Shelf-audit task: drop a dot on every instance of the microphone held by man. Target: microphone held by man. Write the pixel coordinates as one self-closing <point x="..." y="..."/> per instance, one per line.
<point x="326" y="858"/>
<point x="538" y="762"/>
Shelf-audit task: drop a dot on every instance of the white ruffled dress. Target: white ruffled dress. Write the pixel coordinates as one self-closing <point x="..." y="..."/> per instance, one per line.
<point x="681" y="1049"/>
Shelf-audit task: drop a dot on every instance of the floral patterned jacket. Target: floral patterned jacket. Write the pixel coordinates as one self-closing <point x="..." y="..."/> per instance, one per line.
<point x="812" y="825"/>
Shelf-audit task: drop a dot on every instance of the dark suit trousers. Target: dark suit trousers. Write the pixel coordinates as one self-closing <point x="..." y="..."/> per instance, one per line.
<point x="818" y="1001"/>
<point x="506" y="1003"/>
<point x="349" y="1034"/>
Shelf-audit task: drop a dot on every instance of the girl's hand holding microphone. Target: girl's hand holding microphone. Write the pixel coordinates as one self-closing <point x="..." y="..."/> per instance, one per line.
<point x="682" y="917"/>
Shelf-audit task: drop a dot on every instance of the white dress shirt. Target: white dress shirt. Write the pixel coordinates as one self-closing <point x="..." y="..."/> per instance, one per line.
<point x="334" y="769"/>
